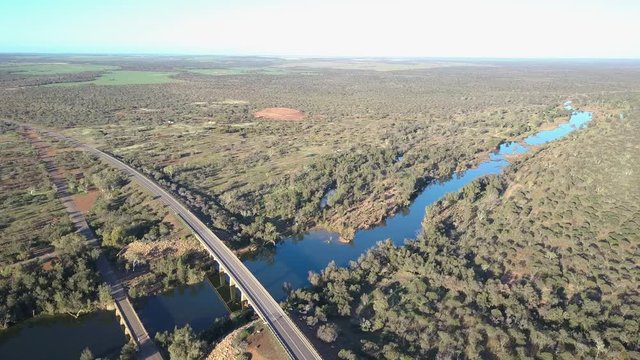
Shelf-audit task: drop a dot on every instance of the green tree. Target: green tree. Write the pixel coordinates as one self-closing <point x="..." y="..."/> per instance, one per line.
<point x="185" y="345"/>
<point x="72" y="243"/>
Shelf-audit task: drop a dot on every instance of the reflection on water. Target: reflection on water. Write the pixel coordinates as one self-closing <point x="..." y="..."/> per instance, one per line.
<point x="63" y="337"/>
<point x="197" y="305"/>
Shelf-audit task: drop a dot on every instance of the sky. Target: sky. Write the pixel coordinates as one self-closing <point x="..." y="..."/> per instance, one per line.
<point x="326" y="28"/>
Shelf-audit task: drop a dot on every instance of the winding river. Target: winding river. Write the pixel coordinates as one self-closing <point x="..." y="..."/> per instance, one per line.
<point x="290" y="262"/>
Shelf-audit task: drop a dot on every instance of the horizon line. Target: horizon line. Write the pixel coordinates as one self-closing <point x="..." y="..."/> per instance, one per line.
<point x="314" y="56"/>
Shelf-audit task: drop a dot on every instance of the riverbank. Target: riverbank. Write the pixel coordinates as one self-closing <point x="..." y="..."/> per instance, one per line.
<point x="375" y="210"/>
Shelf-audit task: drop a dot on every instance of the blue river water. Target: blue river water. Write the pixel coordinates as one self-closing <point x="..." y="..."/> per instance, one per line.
<point x="290" y="262"/>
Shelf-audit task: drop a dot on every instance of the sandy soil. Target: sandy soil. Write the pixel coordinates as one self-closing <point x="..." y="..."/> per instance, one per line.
<point x="261" y="344"/>
<point x="280" y="114"/>
<point x="264" y="346"/>
<point x="163" y="248"/>
<point x="225" y="349"/>
<point x="84" y="202"/>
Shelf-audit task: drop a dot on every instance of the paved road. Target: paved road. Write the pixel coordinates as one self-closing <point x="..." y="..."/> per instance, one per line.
<point x="293" y="340"/>
<point x="146" y="347"/>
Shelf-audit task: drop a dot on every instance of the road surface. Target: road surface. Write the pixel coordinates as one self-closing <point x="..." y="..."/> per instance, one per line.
<point x="293" y="340"/>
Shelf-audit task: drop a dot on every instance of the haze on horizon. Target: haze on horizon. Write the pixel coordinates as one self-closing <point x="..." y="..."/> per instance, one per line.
<point x="329" y="28"/>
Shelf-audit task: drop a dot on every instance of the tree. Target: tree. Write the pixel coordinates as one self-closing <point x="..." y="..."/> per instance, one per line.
<point x="72" y="243"/>
<point x="104" y="295"/>
<point x="347" y="354"/>
<point x="128" y="351"/>
<point x="109" y="181"/>
<point x="185" y="345"/>
<point x="328" y="332"/>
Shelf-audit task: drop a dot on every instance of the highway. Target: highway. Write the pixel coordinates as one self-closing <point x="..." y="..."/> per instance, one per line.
<point x="292" y="339"/>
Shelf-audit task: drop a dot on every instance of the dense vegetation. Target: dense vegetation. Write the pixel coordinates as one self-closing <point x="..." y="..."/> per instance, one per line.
<point x="539" y="262"/>
<point x="70" y="285"/>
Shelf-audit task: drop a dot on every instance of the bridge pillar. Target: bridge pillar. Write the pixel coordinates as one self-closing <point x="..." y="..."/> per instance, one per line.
<point x="244" y="302"/>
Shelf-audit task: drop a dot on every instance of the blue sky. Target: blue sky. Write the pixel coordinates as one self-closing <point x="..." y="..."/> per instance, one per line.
<point x="394" y="28"/>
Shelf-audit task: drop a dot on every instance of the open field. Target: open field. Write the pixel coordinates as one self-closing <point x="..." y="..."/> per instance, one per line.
<point x="540" y="262"/>
<point x="124" y="77"/>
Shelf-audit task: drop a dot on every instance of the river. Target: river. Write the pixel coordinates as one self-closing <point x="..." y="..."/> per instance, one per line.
<point x="289" y="262"/>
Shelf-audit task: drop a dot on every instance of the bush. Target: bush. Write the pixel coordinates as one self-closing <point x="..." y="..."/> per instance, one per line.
<point x="128" y="351"/>
<point x="347" y="354"/>
<point x="327" y="333"/>
<point x="182" y="344"/>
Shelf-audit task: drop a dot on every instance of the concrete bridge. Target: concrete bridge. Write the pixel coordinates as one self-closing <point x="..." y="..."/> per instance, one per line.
<point x="252" y="292"/>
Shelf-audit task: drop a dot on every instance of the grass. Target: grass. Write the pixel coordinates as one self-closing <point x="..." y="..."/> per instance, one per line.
<point x="246" y="71"/>
<point x="125" y="77"/>
<point x="52" y="68"/>
<point x="134" y="78"/>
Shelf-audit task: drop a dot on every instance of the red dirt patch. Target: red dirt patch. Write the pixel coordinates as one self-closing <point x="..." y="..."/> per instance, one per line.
<point x="84" y="202"/>
<point x="263" y="345"/>
<point x="48" y="265"/>
<point x="280" y="114"/>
